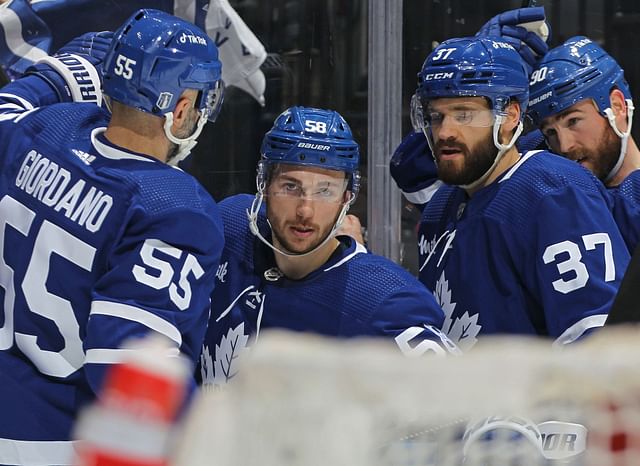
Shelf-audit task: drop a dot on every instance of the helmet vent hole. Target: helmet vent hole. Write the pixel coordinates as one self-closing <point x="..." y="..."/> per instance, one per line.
<point x="323" y="159"/>
<point x="566" y="88"/>
<point x="302" y="157"/>
<point x="591" y="75"/>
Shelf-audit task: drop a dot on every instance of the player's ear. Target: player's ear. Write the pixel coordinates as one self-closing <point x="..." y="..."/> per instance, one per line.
<point x="617" y="102"/>
<point x="513" y="113"/>
<point x="511" y="120"/>
<point x="618" y="105"/>
<point x="181" y="111"/>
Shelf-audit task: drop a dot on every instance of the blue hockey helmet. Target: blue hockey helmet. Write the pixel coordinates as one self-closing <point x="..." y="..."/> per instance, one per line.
<point x="578" y="69"/>
<point x="472" y="67"/>
<point x="313" y="137"/>
<point x="155" y="57"/>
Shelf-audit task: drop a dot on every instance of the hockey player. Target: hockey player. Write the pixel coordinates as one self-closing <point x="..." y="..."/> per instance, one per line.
<point x="512" y="244"/>
<point x="102" y="241"/>
<point x="284" y="267"/>
<point x="582" y="103"/>
<point x="412" y="166"/>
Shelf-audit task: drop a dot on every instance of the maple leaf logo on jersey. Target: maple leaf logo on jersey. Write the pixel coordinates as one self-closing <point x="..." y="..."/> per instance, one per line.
<point x="220" y="368"/>
<point x="465" y="328"/>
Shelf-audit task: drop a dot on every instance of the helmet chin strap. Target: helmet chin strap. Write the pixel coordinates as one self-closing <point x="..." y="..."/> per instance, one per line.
<point x="624" y="136"/>
<point x="502" y="149"/>
<point x="184" y="144"/>
<point x="252" y="214"/>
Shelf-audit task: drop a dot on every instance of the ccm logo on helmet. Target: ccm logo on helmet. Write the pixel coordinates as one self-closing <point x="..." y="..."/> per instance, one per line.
<point x="308" y="145"/>
<point x="432" y="76"/>
<point x="192" y="39"/>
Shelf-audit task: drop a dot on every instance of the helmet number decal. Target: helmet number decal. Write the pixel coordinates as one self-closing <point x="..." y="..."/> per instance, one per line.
<point x="443" y="54"/>
<point x="315" y="126"/>
<point x="538" y="75"/>
<point x="124" y="67"/>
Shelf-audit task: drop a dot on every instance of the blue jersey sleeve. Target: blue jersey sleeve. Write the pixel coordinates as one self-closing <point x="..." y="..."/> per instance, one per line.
<point x="626" y="208"/>
<point x="25" y="94"/>
<point x="17" y="100"/>
<point x="579" y="258"/>
<point x="414" y="319"/>
<point x="161" y="278"/>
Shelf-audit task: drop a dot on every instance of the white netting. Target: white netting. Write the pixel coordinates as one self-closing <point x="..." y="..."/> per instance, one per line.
<point x="307" y="401"/>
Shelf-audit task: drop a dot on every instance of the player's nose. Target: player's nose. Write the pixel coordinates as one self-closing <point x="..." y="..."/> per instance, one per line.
<point x="446" y="129"/>
<point x="566" y="143"/>
<point x="304" y="209"/>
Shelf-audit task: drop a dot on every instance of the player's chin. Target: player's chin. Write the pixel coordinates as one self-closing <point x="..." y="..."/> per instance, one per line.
<point x="451" y="164"/>
<point x="451" y="173"/>
<point x="300" y="246"/>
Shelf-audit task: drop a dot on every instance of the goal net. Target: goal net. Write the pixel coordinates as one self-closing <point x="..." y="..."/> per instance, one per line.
<point x="308" y="401"/>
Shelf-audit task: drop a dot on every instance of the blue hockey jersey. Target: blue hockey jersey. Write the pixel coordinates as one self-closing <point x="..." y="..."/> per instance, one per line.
<point x="355" y="293"/>
<point x="535" y="252"/>
<point x="99" y="245"/>
<point x="626" y="208"/>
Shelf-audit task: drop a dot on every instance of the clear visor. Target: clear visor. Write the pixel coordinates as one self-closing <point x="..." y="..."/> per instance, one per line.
<point x="458" y="113"/>
<point x="297" y="182"/>
<point x="211" y="101"/>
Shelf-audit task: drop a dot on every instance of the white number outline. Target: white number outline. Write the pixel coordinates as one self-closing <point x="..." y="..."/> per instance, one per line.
<point x="443" y="54"/>
<point x="124" y="66"/>
<point x="179" y="294"/>
<point x="425" y="345"/>
<point x="574" y="262"/>
<point x="49" y="239"/>
<point x="315" y="126"/>
<point x="538" y="75"/>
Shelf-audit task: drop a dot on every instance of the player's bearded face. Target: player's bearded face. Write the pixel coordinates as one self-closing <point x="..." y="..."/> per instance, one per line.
<point x="602" y="158"/>
<point x="460" y="163"/>
<point x="303" y="205"/>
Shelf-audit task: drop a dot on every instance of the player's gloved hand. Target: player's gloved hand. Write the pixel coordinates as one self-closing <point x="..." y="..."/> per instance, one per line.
<point x="525" y="29"/>
<point x="92" y="45"/>
<point x="413" y="169"/>
<point x="74" y="72"/>
<point x="533" y="140"/>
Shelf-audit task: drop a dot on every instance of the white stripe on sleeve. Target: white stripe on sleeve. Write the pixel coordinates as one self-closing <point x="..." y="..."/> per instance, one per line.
<point x="577" y="330"/>
<point x="136" y="314"/>
<point x="36" y="453"/>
